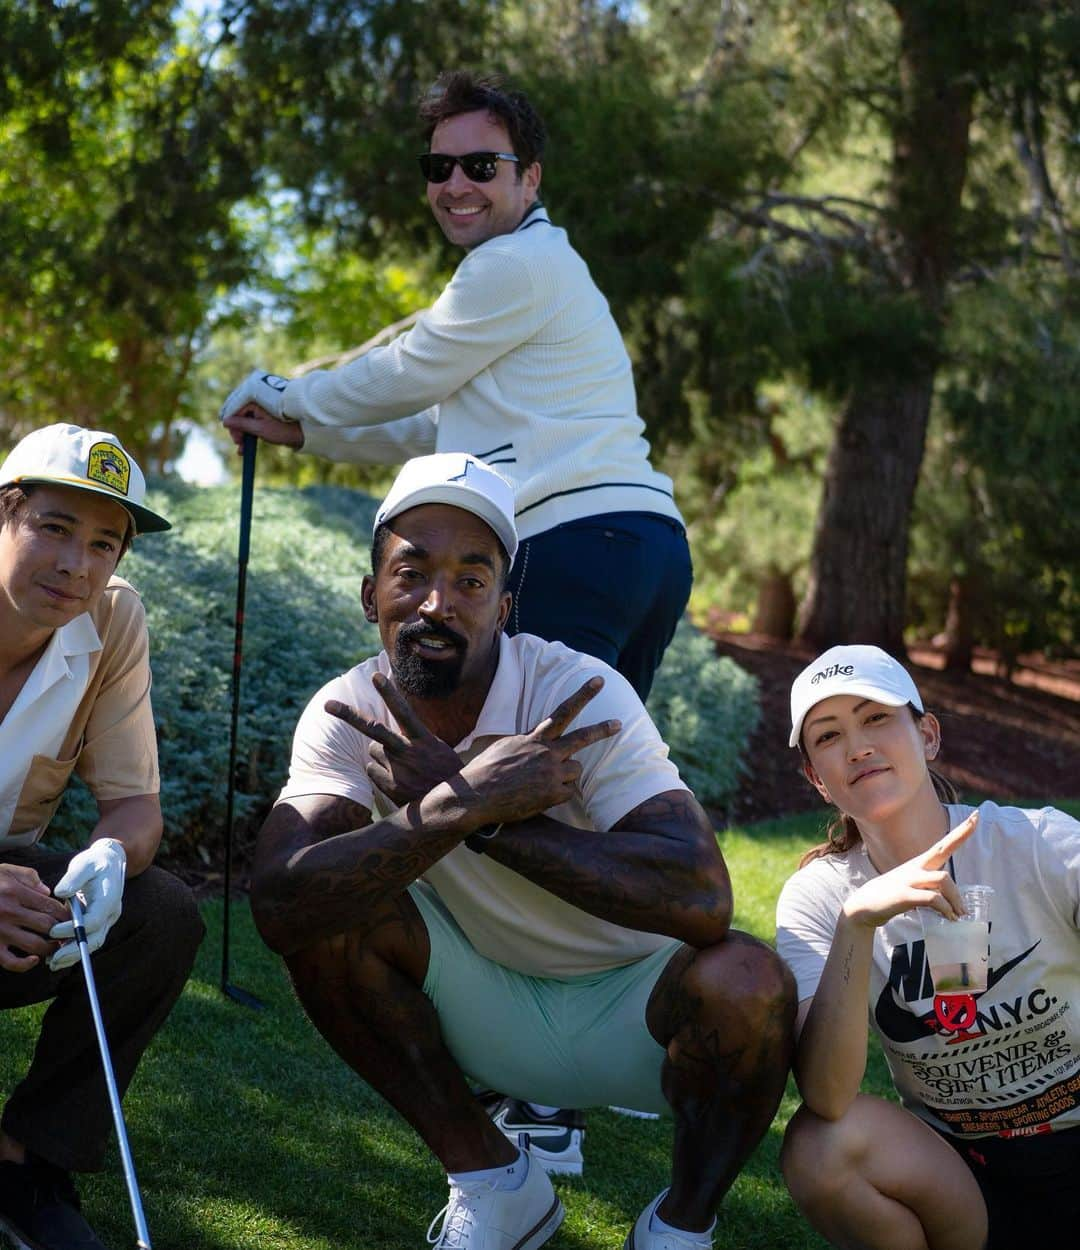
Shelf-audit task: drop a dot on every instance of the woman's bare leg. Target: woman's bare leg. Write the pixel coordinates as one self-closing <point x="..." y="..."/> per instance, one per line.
<point x="880" y="1179"/>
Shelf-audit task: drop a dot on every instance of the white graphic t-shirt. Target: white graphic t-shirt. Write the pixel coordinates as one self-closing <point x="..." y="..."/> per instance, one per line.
<point x="1008" y="1062"/>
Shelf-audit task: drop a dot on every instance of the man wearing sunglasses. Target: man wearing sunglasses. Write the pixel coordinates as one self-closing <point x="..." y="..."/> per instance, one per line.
<point x="519" y="362"/>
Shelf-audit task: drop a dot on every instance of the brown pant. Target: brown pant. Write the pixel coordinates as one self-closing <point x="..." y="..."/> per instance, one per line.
<point x="60" y="1110"/>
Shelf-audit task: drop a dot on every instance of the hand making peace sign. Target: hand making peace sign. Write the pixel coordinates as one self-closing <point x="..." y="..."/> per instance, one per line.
<point x="922" y="881"/>
<point x="404" y="766"/>
<point x="517" y="776"/>
<point x="525" y="774"/>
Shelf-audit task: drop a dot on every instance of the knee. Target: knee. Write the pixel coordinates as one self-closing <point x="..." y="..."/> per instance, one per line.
<point x="820" y="1158"/>
<point x="816" y="1159"/>
<point x="163" y="911"/>
<point x="744" y="979"/>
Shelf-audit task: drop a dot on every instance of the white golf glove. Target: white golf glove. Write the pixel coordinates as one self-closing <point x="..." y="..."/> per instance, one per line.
<point x="259" y="387"/>
<point x="98" y="875"/>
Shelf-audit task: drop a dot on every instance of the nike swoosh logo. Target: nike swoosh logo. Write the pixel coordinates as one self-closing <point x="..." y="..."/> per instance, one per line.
<point x="900" y="1024"/>
<point x="994" y="975"/>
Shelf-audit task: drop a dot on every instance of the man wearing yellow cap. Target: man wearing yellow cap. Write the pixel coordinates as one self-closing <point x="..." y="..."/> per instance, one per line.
<point x="75" y="697"/>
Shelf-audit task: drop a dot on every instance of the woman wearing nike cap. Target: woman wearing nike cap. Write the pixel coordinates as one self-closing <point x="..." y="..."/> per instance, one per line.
<point x="983" y="1150"/>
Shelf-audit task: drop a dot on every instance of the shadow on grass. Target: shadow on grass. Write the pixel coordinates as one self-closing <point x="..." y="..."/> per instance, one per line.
<point x="248" y="1133"/>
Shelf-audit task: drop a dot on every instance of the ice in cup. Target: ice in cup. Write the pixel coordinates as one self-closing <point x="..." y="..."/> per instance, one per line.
<point x="958" y="951"/>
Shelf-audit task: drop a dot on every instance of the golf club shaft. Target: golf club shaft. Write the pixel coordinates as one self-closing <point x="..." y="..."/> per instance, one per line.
<point x="247" y="491"/>
<point x="110" y="1078"/>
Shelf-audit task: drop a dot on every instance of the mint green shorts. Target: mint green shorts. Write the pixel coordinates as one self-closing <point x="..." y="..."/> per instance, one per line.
<point x="578" y="1042"/>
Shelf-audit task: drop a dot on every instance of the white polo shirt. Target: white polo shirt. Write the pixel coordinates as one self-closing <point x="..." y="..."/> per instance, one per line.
<point x="506" y="917"/>
<point x="37" y="722"/>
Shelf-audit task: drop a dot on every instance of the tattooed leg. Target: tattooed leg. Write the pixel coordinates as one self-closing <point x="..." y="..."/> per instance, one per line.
<point x="365" y="995"/>
<point x="726" y="1015"/>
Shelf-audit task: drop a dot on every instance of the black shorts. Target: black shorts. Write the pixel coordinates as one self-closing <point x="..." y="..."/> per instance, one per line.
<point x="1031" y="1186"/>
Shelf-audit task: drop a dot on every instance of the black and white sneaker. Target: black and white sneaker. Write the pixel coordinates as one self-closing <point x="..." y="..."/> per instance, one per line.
<point x="39" y="1208"/>
<point x="555" y="1140"/>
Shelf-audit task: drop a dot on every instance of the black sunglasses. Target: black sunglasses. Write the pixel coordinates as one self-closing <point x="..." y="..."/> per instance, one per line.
<point x="476" y="166"/>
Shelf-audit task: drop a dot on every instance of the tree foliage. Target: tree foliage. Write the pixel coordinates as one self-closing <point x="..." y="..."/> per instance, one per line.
<point x="120" y="173"/>
<point x="866" y="210"/>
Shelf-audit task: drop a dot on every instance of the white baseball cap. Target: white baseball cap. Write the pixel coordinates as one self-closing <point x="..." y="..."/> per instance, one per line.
<point x="460" y="480"/>
<point x="858" y="670"/>
<point x="91" y="460"/>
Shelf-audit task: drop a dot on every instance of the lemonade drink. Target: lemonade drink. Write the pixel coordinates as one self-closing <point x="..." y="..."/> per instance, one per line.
<point x="958" y="952"/>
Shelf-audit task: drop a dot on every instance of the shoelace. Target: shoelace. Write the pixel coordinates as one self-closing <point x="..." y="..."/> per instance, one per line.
<point x="458" y="1216"/>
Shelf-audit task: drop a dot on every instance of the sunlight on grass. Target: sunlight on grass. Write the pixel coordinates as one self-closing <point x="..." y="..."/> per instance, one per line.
<point x="249" y="1134"/>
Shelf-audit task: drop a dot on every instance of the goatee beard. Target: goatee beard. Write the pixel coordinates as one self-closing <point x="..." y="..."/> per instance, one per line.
<point x="417" y="675"/>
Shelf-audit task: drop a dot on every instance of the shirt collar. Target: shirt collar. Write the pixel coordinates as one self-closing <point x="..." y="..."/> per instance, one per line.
<point x="77" y="637"/>
<point x="534" y="213"/>
<point x="500" y="714"/>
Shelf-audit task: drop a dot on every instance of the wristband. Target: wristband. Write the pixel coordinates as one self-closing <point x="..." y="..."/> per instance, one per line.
<point x="479" y="838"/>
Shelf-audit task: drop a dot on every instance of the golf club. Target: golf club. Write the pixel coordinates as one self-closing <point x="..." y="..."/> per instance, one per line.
<point x="141" y="1231"/>
<point x="247" y="490"/>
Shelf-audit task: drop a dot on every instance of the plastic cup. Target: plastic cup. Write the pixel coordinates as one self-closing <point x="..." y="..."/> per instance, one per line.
<point x="958" y="951"/>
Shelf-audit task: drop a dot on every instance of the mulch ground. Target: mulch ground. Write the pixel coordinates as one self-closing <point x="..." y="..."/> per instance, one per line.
<point x="1002" y="738"/>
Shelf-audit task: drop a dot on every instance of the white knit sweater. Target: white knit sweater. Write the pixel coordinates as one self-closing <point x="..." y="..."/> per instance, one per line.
<point x="518" y="361"/>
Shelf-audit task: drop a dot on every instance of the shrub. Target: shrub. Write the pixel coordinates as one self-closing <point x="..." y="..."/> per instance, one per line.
<point x="706" y="707"/>
<point x="303" y="625"/>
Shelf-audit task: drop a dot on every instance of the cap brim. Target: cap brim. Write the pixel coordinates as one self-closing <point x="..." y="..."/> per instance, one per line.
<point x="455" y="496"/>
<point x="146" y="522"/>
<point x="855" y="688"/>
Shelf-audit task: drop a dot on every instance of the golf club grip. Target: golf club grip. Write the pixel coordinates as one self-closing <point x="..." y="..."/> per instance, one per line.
<point x="247" y="491"/>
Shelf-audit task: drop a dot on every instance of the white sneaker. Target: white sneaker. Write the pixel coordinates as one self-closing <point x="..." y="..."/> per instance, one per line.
<point x="481" y="1217"/>
<point x="555" y="1140"/>
<point x="641" y="1236"/>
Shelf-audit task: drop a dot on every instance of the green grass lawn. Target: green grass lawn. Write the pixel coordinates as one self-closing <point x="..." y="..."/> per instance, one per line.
<point x="249" y="1134"/>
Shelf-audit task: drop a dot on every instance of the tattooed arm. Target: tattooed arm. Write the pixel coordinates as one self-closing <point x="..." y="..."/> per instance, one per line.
<point x="322" y="866"/>
<point x="659" y="869"/>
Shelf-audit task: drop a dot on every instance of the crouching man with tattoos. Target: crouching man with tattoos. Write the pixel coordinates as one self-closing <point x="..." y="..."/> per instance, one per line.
<point x="484" y="862"/>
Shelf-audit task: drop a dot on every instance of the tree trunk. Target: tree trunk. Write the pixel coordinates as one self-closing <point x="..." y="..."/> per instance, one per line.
<point x="959" y="627"/>
<point x="775" y="613"/>
<point x="858" y="571"/>
<point x="857" y="582"/>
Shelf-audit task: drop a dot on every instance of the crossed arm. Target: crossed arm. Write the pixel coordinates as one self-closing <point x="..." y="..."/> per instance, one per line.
<point x="658" y="869"/>
<point x="322" y="866"/>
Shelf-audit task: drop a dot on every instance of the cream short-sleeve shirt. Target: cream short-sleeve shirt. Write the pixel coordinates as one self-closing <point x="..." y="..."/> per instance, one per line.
<point x="85" y="708"/>
<point x="506" y="917"/>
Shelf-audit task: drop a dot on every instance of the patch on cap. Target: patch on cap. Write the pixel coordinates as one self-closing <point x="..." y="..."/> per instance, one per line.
<point x="109" y="465"/>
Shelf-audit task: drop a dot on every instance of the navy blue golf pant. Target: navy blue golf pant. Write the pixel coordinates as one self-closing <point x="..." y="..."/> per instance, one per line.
<point x="613" y="586"/>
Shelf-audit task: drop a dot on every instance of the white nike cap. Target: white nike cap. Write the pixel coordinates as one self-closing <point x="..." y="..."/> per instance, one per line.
<point x="91" y="460"/>
<point x="460" y="480"/>
<point x="859" y="670"/>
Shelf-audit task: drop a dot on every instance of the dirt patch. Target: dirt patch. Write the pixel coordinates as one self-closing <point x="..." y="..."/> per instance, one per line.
<point x="1003" y="738"/>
